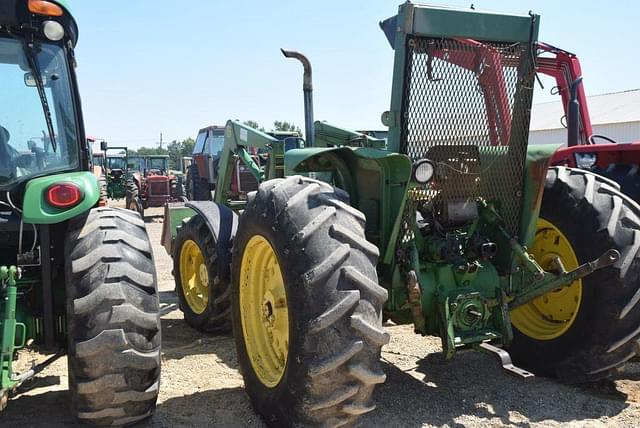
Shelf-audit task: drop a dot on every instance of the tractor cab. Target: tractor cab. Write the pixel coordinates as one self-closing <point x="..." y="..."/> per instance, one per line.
<point x="117" y="163"/>
<point x="202" y="173"/>
<point x="136" y="164"/>
<point x="157" y="165"/>
<point x="40" y="130"/>
<point x="54" y="232"/>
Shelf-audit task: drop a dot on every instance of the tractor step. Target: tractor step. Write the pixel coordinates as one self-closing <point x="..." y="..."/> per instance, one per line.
<point x="505" y="361"/>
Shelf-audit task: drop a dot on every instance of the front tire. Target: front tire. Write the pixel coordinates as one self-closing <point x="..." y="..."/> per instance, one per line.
<point x="113" y="318"/>
<point x="586" y="331"/>
<point x="306" y="305"/>
<point x="202" y="278"/>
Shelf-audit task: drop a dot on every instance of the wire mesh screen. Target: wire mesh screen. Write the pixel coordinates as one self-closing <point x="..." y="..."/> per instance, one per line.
<point x="466" y="107"/>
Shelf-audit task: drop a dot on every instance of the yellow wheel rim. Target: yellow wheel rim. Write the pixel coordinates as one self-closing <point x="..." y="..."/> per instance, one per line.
<point x="194" y="277"/>
<point x="264" y="311"/>
<point x="551" y="315"/>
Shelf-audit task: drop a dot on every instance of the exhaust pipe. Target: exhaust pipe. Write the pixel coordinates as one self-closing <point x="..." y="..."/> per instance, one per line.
<point x="307" y="88"/>
<point x="573" y="117"/>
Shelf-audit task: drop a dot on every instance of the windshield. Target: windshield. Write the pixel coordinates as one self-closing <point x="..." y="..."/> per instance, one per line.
<point x="136" y="164"/>
<point x="156" y="163"/>
<point x="215" y="143"/>
<point x="25" y="146"/>
<point x="117" y="163"/>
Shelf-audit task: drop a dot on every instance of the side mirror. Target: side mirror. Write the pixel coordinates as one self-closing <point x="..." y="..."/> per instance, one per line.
<point x="104" y="146"/>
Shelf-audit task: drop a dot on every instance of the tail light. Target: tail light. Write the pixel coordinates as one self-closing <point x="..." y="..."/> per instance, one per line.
<point x="64" y="195"/>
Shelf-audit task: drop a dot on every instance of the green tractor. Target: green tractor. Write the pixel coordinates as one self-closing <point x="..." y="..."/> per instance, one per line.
<point x="75" y="278"/>
<point x="452" y="224"/>
<point x="117" y="171"/>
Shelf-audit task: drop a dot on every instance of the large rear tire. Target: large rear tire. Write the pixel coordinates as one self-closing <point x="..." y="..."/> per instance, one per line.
<point x="306" y="305"/>
<point x="587" y="331"/>
<point x="102" y="182"/>
<point x="113" y="319"/>
<point x="202" y="278"/>
<point x="132" y="198"/>
<point x="199" y="186"/>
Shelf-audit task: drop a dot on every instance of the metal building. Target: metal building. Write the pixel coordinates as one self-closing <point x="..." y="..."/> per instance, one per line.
<point x="615" y="115"/>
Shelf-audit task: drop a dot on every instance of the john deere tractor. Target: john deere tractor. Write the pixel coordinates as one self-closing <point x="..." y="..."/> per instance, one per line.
<point x="453" y="224"/>
<point x="75" y="278"/>
<point x="117" y="170"/>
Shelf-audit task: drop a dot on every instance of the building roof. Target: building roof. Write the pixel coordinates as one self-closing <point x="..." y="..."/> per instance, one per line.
<point x="614" y="107"/>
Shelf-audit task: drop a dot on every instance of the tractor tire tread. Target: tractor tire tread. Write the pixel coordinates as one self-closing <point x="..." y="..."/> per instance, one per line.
<point x="113" y="318"/>
<point x="341" y="332"/>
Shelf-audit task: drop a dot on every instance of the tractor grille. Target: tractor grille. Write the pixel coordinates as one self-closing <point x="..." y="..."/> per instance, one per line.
<point x="158" y="187"/>
<point x="248" y="182"/>
<point x="466" y="107"/>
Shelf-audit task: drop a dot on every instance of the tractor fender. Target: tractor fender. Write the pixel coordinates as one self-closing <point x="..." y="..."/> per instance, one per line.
<point x="37" y="211"/>
<point x="222" y="221"/>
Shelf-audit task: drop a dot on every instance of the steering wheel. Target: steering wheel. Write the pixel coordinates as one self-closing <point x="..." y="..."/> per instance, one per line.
<point x="594" y="136"/>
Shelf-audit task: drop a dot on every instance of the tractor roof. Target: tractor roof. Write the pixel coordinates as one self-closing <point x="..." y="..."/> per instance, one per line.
<point x="14" y="14"/>
<point x="212" y="127"/>
<point x="446" y="22"/>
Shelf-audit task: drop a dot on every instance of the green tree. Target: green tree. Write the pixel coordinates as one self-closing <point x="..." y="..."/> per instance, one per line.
<point x="285" y="126"/>
<point x="178" y="149"/>
<point x="253" y="124"/>
<point x="144" y="151"/>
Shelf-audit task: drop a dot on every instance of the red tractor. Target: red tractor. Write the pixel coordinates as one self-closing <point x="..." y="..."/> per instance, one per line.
<point x="202" y="175"/>
<point x="618" y="162"/>
<point x="153" y="185"/>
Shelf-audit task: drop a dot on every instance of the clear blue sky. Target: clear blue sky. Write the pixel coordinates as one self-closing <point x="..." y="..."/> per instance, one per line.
<point x="147" y="67"/>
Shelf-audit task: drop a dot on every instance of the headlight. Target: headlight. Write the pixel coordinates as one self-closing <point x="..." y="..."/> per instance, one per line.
<point x="53" y="30"/>
<point x="423" y="171"/>
<point x="585" y="160"/>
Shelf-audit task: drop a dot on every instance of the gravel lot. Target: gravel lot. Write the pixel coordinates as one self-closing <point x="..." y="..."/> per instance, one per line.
<point x="201" y="386"/>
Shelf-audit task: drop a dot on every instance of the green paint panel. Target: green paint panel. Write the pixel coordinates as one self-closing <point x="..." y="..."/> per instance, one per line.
<point x="37" y="211"/>
<point x="538" y="158"/>
<point x="174" y="215"/>
<point x="433" y="21"/>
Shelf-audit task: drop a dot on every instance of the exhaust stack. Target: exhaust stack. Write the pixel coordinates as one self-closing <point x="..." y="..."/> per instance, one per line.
<point x="307" y="88"/>
<point x="573" y="116"/>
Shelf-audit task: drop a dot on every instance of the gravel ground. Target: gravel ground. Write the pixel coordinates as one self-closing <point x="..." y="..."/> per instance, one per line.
<point x="201" y="386"/>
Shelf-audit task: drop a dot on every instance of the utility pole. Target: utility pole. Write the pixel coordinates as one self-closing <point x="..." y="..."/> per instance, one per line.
<point x="161" y="141"/>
